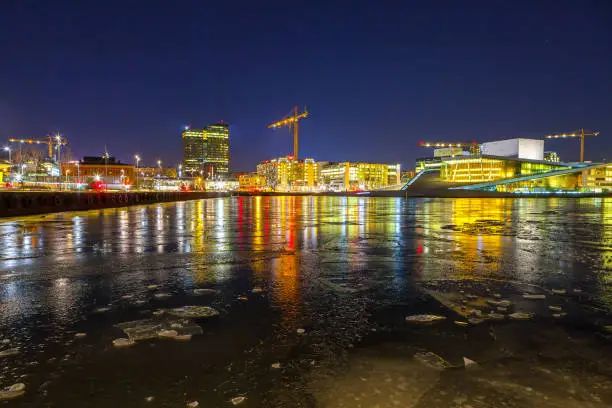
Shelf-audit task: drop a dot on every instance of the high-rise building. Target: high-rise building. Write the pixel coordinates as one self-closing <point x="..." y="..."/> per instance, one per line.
<point x="193" y="150"/>
<point x="216" y="150"/>
<point x="206" y="151"/>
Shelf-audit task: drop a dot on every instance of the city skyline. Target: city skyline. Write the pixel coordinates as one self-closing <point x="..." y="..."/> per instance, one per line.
<point x="457" y="73"/>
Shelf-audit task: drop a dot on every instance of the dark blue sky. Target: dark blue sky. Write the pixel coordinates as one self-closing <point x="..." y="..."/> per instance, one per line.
<point x="377" y="76"/>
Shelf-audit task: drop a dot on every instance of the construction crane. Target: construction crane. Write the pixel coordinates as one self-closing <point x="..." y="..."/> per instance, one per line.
<point x="50" y="141"/>
<point x="472" y="146"/>
<point x="292" y="121"/>
<point x="578" y="133"/>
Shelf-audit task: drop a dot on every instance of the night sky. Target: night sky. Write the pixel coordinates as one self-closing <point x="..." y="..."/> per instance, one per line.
<point x="376" y="79"/>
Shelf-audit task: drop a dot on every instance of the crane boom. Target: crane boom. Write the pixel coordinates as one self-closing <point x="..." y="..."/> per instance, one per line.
<point x="578" y="133"/>
<point x="291" y="121"/>
<point x="49" y="141"/>
<point x="472" y="146"/>
<point x="445" y="144"/>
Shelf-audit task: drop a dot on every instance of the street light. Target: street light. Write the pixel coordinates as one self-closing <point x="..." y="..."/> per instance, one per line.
<point x="180" y="170"/>
<point x="23" y="166"/>
<point x="159" y="163"/>
<point x="137" y="159"/>
<point x="58" y="137"/>
<point x="8" y="149"/>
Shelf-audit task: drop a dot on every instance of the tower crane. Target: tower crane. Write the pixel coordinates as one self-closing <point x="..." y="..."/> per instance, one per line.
<point x="50" y="141"/>
<point x="581" y="133"/>
<point x="472" y="146"/>
<point x="291" y="120"/>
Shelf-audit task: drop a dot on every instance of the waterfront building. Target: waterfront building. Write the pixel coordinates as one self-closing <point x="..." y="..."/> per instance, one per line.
<point x="348" y="176"/>
<point x="279" y="173"/>
<point x="108" y="169"/>
<point x="490" y="173"/>
<point x="206" y="151"/>
<point x="516" y="166"/>
<point x="472" y="169"/>
<point x="406" y="175"/>
<point x="193" y="150"/>
<point x="4" y="171"/>
<point x="430" y="163"/>
<point x="598" y="178"/>
<point x="530" y="149"/>
<point x="251" y="181"/>
<point x="288" y="174"/>
<point x="310" y="173"/>
<point x="164" y="172"/>
<point x="215" y="162"/>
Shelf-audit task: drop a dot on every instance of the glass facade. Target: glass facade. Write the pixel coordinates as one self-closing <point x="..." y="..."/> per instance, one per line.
<point x="216" y="150"/>
<point x="598" y="179"/>
<point x="563" y="182"/>
<point x="365" y="176"/>
<point x="193" y="151"/>
<point x="206" y="151"/>
<point x="476" y="169"/>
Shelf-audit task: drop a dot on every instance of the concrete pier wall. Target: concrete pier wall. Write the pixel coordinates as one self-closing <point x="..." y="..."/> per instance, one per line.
<point x="19" y="203"/>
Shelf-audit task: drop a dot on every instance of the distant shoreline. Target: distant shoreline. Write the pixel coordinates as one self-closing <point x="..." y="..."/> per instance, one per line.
<point x="24" y="203"/>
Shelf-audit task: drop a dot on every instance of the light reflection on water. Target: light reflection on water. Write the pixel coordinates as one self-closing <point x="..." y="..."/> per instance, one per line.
<point x="539" y="239"/>
<point x="56" y="269"/>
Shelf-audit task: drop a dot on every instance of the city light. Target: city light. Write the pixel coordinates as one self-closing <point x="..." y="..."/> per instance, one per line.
<point x="8" y="149"/>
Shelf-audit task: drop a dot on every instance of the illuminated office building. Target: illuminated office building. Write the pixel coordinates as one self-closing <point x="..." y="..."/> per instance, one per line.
<point x="108" y="169"/>
<point x="310" y="173"/>
<point x="289" y="174"/>
<point x="206" y="151"/>
<point x="359" y="176"/>
<point x="193" y="150"/>
<point x="4" y="171"/>
<point x="215" y="161"/>
<point x="598" y="178"/>
<point x="251" y="181"/>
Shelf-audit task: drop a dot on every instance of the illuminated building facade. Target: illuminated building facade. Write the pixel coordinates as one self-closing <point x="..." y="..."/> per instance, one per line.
<point x="473" y="169"/>
<point x="4" y="171"/>
<point x="206" y="151"/>
<point x="552" y="157"/>
<point x="427" y="163"/>
<point x="108" y="169"/>
<point x="406" y="175"/>
<point x="251" y="182"/>
<point x="598" y="178"/>
<point x="566" y="177"/>
<point x="349" y="176"/>
<point x="531" y="149"/>
<point x="515" y="166"/>
<point x="215" y="162"/>
<point x="310" y="173"/>
<point x="166" y="172"/>
<point x="289" y="174"/>
<point x="193" y="150"/>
